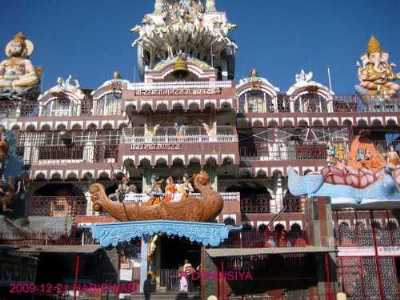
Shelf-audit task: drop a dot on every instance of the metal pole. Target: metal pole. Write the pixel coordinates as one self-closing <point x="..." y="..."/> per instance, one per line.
<point x="77" y="262"/>
<point x="328" y="276"/>
<point x="329" y="78"/>
<point x="378" y="267"/>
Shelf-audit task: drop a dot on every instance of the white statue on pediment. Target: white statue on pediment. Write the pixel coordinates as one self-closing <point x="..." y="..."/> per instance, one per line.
<point x="303" y="77"/>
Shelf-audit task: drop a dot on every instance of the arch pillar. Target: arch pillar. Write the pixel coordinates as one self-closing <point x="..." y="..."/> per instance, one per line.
<point x="89" y="206"/>
<point x="146" y="180"/>
<point x="276" y="205"/>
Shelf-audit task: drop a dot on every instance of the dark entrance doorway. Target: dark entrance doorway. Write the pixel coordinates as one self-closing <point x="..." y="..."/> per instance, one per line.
<point x="174" y="251"/>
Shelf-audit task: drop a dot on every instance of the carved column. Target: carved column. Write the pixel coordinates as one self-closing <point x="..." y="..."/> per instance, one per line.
<point x="88" y="152"/>
<point x="291" y="105"/>
<point x="279" y="195"/>
<point x="31" y="151"/>
<point x="89" y="207"/>
<point x="146" y="181"/>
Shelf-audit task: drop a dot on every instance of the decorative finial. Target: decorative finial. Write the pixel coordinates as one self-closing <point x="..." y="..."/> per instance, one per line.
<point x="181" y="63"/>
<point x="373" y="45"/>
<point x="303" y="77"/>
<point x="20" y="37"/>
<point x="26" y="44"/>
<point x="254" y="73"/>
<point x="210" y="6"/>
<point x="116" y="75"/>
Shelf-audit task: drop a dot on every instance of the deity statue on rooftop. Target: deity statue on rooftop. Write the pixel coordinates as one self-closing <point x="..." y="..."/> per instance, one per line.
<point x="377" y="79"/>
<point x="17" y="74"/>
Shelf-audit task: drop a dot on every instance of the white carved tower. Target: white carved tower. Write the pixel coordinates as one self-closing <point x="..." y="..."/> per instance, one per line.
<point x="193" y="28"/>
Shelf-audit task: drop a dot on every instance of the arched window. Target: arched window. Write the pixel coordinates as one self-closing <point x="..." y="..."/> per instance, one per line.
<point x="61" y="107"/>
<point x="256" y="101"/>
<point x="310" y="102"/>
<point x="108" y="105"/>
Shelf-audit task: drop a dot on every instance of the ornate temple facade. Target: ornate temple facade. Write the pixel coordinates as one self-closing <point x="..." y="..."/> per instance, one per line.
<point x="312" y="177"/>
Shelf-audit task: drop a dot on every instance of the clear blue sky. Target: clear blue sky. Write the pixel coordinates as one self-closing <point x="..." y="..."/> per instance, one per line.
<point x="90" y="38"/>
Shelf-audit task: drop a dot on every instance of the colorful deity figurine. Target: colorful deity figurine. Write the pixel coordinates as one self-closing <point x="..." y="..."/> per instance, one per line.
<point x="377" y="79"/>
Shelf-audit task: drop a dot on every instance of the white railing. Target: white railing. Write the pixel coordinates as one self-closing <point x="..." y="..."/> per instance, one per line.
<point x="179" y="139"/>
<point x="56" y="161"/>
<point x="140" y="198"/>
<point x="180" y="85"/>
<point x="183" y="134"/>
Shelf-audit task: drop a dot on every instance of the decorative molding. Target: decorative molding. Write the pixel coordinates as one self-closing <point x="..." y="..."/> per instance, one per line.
<point x="208" y="234"/>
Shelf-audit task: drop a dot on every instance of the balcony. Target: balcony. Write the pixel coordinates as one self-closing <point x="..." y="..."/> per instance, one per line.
<point x="266" y="238"/>
<point x="179" y="85"/>
<point x="366" y="229"/>
<point x="58" y="206"/>
<point x="76" y="237"/>
<point x="374" y="105"/>
<point x="300" y="152"/>
<point x="179" y="135"/>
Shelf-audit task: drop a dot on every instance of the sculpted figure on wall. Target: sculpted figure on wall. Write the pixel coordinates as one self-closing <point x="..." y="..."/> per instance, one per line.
<point x="17" y="74"/>
<point x="376" y="75"/>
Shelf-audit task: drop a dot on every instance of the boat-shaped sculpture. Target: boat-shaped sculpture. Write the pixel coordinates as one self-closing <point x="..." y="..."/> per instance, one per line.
<point x="189" y="208"/>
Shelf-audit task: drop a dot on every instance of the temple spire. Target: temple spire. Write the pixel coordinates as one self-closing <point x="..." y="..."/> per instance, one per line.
<point x="210" y="6"/>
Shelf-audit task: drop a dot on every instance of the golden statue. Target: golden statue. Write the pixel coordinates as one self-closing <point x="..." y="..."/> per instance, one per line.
<point x="376" y="73"/>
<point x="17" y="72"/>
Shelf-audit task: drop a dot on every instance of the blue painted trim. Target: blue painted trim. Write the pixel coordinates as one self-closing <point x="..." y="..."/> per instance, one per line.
<point x="207" y="234"/>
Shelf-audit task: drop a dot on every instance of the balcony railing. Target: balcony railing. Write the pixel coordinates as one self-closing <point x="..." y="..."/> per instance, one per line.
<point x="181" y="134"/>
<point x="365" y="229"/>
<point x="76" y="237"/>
<point x="374" y="104"/>
<point x="58" y="206"/>
<point x="266" y="239"/>
<point x="301" y="152"/>
<point x="360" y="237"/>
<point x="180" y="85"/>
<point x="141" y="198"/>
<point x="72" y="154"/>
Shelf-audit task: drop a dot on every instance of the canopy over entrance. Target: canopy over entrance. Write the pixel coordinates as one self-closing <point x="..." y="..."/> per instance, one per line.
<point x="207" y="234"/>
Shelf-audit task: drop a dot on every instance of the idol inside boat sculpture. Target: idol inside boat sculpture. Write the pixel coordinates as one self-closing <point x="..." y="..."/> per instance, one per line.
<point x="366" y="178"/>
<point x="190" y="208"/>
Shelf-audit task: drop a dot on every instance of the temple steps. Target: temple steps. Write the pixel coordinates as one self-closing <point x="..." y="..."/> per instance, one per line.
<point x="166" y="296"/>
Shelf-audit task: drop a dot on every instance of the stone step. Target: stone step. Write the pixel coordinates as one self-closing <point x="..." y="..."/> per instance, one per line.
<point x="165" y="296"/>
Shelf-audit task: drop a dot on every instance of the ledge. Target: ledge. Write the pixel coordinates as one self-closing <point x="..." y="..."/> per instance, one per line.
<point x="231" y="252"/>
